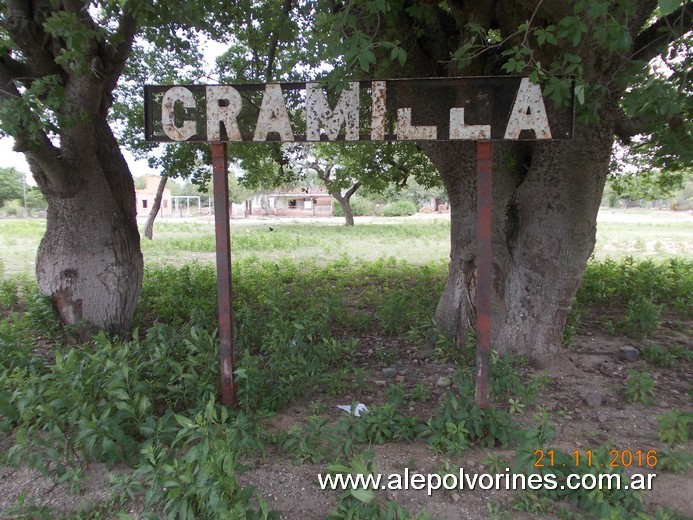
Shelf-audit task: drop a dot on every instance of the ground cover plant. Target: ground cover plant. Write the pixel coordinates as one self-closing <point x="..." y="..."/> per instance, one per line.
<point x="311" y="334"/>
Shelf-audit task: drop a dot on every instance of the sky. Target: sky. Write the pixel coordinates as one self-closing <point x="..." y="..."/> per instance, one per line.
<point x="11" y="159"/>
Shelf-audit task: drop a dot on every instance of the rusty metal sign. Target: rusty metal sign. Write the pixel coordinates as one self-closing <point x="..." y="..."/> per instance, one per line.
<point x="444" y="109"/>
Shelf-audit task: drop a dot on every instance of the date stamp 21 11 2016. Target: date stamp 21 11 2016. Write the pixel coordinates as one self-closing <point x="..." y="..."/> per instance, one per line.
<point x="616" y="458"/>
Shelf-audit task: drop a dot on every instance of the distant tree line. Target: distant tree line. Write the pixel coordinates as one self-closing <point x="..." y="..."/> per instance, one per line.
<point x="16" y="198"/>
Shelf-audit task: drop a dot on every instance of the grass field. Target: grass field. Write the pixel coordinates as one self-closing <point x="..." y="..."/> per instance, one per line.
<point x="620" y="233"/>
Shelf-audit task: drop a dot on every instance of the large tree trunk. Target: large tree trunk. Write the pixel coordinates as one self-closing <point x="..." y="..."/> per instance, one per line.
<point x="546" y="195"/>
<point x="89" y="261"/>
<point x="544" y="222"/>
<point x="156" y="205"/>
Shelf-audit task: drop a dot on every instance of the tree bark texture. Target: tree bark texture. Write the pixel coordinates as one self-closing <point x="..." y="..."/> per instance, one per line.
<point x="345" y="204"/>
<point x="344" y="200"/>
<point x="544" y="225"/>
<point x="89" y="261"/>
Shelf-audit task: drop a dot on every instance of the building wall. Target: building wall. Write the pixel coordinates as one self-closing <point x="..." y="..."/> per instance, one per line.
<point x="145" y="198"/>
<point x="303" y="205"/>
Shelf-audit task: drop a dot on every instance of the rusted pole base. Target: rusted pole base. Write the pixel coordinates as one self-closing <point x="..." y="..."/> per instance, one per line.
<point x="483" y="270"/>
<point x="224" y="291"/>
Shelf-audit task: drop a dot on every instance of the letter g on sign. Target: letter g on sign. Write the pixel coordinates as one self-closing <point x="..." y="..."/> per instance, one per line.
<point x="168" y="118"/>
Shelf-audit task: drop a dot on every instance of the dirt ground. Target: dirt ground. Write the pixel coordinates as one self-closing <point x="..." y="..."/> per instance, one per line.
<point x="592" y="365"/>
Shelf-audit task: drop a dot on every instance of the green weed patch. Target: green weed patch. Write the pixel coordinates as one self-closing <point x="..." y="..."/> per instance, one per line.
<point x="148" y="401"/>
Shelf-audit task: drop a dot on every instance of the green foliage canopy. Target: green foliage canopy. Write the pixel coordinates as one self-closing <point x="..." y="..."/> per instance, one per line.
<point x="556" y="46"/>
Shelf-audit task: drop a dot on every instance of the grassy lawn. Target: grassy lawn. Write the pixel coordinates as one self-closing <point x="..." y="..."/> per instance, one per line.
<point x="418" y="242"/>
<point x="18" y="242"/>
<point x="620" y="233"/>
<point x="656" y="240"/>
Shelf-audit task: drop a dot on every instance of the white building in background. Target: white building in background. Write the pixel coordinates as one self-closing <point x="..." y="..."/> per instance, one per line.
<point x="145" y="198"/>
<point x="298" y="202"/>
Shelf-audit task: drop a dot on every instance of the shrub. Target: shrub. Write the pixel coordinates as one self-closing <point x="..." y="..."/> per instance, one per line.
<point x="400" y="208"/>
<point x="642" y="318"/>
<point x="360" y="207"/>
<point x="675" y="426"/>
<point x="12" y="208"/>
<point x="639" y="387"/>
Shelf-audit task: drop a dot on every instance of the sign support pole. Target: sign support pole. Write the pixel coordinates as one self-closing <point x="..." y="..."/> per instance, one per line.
<point x="484" y="215"/>
<point x="224" y="288"/>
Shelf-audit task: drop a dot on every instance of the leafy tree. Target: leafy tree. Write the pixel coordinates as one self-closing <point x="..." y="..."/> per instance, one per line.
<point x="268" y="48"/>
<point x="153" y="65"/>
<point x="339" y="183"/>
<point x="684" y="199"/>
<point x="140" y="182"/>
<point x="60" y="63"/>
<point x="410" y="189"/>
<point x="11" y="182"/>
<point x="343" y="168"/>
<point x="546" y="194"/>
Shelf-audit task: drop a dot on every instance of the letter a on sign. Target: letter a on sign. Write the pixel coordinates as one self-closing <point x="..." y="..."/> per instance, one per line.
<point x="273" y="116"/>
<point x="528" y="113"/>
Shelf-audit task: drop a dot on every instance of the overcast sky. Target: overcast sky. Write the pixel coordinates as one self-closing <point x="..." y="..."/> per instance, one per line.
<point x="10" y="159"/>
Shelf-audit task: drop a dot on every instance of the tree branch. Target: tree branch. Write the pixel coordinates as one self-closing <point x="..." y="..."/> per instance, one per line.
<point x="274" y="42"/>
<point x="626" y="127"/>
<point x="17" y="70"/>
<point x="352" y="190"/>
<point x="33" y="142"/>
<point x="127" y="29"/>
<point x="653" y="40"/>
<point x="25" y="27"/>
<point x="73" y="6"/>
<point x="402" y="168"/>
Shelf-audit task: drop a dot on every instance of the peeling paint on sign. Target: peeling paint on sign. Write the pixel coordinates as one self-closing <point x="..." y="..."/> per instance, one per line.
<point x="319" y="115"/>
<point x="528" y="112"/>
<point x="486" y="108"/>
<point x="407" y="132"/>
<point x="460" y="130"/>
<point x="273" y="116"/>
<point x="223" y="106"/>
<point x="378" y="110"/>
<point x="186" y="129"/>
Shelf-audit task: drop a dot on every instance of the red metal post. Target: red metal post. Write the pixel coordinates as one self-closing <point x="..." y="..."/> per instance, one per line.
<point x="484" y="206"/>
<point x="224" y="291"/>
